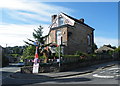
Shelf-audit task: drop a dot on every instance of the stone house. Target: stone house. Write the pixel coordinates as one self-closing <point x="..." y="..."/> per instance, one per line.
<point x="104" y="49"/>
<point x="73" y="33"/>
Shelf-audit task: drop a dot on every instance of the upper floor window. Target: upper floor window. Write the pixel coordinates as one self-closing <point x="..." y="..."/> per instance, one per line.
<point x="58" y="34"/>
<point x="89" y="39"/>
<point x="61" y="21"/>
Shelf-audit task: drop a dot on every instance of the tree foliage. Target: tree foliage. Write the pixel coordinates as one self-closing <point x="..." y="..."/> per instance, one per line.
<point x="29" y="51"/>
<point x="38" y="36"/>
<point x="94" y="46"/>
<point x="117" y="49"/>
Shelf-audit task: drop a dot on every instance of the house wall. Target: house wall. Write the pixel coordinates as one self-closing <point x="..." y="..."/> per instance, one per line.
<point x="78" y="40"/>
<point x="74" y="34"/>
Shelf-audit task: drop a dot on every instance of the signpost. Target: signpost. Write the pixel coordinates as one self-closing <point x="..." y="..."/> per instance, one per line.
<point x="36" y="68"/>
<point x="59" y="35"/>
<point x="36" y="65"/>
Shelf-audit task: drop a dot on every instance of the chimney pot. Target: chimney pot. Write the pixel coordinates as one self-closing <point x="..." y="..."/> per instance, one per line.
<point x="82" y="20"/>
<point x="53" y="17"/>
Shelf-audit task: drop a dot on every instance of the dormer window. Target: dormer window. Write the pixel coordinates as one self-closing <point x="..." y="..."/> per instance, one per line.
<point x="60" y="21"/>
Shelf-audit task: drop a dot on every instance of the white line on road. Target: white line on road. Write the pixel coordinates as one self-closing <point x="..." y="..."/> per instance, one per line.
<point x="99" y="76"/>
<point x="117" y="75"/>
<point x="114" y="68"/>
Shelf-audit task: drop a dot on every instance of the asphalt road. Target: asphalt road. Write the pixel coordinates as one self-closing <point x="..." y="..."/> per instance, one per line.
<point x="108" y="75"/>
<point x="6" y="71"/>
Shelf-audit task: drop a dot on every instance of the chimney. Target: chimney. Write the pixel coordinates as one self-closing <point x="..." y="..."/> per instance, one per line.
<point x="82" y="20"/>
<point x="53" y="17"/>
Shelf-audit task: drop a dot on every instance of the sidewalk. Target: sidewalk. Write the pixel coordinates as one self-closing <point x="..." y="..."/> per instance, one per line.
<point x="79" y="71"/>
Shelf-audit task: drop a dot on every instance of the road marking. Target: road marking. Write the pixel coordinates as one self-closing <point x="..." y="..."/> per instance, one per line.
<point x="113" y="68"/>
<point x="117" y="75"/>
<point x="99" y="76"/>
<point x="17" y="70"/>
<point x="102" y="72"/>
<point x="74" y="76"/>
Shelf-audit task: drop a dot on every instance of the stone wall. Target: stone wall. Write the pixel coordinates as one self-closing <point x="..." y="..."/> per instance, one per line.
<point x="66" y="64"/>
<point x="74" y="38"/>
<point x="63" y="67"/>
<point x="78" y="40"/>
<point x="43" y="68"/>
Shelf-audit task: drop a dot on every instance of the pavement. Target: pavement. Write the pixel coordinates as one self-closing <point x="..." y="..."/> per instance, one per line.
<point x="52" y="75"/>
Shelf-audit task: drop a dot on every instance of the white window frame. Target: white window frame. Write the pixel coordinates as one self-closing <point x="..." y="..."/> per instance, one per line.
<point x="60" y="21"/>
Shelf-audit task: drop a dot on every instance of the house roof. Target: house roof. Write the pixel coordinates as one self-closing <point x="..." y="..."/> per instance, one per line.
<point x="76" y="20"/>
<point x="66" y="25"/>
<point x="104" y="48"/>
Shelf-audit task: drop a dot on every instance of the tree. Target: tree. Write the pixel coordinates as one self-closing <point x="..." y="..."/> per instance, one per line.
<point x="117" y="49"/>
<point x="94" y="47"/>
<point x="29" y="52"/>
<point x="37" y="35"/>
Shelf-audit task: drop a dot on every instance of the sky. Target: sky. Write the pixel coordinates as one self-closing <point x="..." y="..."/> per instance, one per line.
<point x="19" y="18"/>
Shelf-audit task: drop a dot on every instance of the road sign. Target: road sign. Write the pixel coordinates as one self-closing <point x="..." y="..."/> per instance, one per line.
<point x="36" y="68"/>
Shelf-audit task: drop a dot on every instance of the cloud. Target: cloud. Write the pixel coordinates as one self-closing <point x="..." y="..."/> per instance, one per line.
<point x="21" y="17"/>
<point x="12" y="34"/>
<point x="100" y="41"/>
<point x="25" y="10"/>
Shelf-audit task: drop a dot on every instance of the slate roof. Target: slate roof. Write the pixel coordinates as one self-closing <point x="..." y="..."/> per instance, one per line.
<point x="76" y="20"/>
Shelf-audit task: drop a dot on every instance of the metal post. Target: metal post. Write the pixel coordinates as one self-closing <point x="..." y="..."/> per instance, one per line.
<point x="60" y="51"/>
<point x="59" y="56"/>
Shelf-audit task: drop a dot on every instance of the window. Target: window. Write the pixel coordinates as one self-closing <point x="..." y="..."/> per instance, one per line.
<point x="88" y="39"/>
<point x="58" y="34"/>
<point x="61" y="21"/>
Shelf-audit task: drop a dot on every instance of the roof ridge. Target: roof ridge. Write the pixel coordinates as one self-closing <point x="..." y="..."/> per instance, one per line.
<point x="76" y="20"/>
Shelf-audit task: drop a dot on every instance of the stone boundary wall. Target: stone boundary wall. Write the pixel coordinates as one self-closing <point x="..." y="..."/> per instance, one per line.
<point x="45" y="68"/>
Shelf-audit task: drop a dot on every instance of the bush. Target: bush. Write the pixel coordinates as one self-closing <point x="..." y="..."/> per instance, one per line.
<point x="78" y="53"/>
<point x="42" y="57"/>
<point x="14" y="55"/>
<point x="71" y="56"/>
<point x="110" y="52"/>
<point x="29" y="57"/>
<point x="81" y="54"/>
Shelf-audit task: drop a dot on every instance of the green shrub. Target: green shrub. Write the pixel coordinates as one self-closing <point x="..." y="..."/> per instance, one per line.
<point x="95" y="56"/>
<point x="29" y="57"/>
<point x="14" y="55"/>
<point x="81" y="53"/>
<point x="71" y="56"/>
<point x="78" y="53"/>
<point x="42" y="57"/>
<point x="110" y="52"/>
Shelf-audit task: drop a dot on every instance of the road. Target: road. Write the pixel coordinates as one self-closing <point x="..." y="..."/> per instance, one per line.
<point x="6" y="71"/>
<point x="108" y="75"/>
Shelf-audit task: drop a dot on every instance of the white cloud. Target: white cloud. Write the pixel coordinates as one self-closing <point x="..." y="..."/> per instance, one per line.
<point x="12" y="34"/>
<point x="100" y="41"/>
<point x="27" y="11"/>
<point x="35" y="10"/>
